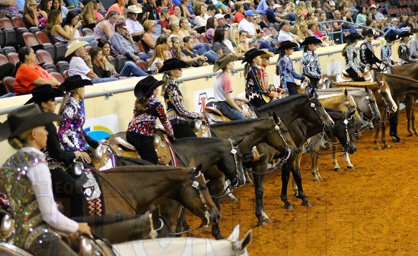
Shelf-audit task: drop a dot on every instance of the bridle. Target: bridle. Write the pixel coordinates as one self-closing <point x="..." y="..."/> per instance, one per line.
<point x="346" y="122"/>
<point x="369" y="104"/>
<point x="234" y="151"/>
<point x="196" y="186"/>
<point x="384" y="98"/>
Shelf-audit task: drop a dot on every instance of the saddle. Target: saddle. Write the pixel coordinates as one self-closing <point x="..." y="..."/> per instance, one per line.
<point x="345" y="77"/>
<point x="214" y="116"/>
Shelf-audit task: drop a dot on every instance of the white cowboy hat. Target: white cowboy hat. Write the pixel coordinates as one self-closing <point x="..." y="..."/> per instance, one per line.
<point x="74" y="46"/>
<point x="134" y="9"/>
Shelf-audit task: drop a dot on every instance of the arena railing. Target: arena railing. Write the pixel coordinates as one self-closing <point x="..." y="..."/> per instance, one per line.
<point x="340" y="32"/>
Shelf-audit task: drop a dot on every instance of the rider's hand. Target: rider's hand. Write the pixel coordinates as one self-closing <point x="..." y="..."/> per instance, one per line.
<point x="246" y="114"/>
<point x="104" y="142"/>
<point x="84" y="228"/>
<point x="201" y="116"/>
<point x="360" y="74"/>
<point x="307" y="79"/>
<point x="83" y="156"/>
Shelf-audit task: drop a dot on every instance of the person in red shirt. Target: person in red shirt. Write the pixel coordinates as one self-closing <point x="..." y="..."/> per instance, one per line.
<point x="166" y="3"/>
<point x="239" y="14"/>
<point x="29" y="74"/>
<point x="118" y="6"/>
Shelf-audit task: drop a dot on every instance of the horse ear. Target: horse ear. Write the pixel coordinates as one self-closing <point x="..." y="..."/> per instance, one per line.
<point x="236" y="143"/>
<point x="311" y="93"/>
<point x="352" y="112"/>
<point x="247" y="239"/>
<point x="346" y="93"/>
<point x="275" y="118"/>
<point x="235" y="234"/>
<point x="196" y="169"/>
<point x="365" y="88"/>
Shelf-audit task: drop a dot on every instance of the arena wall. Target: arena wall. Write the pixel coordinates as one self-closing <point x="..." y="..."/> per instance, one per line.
<point x="109" y="106"/>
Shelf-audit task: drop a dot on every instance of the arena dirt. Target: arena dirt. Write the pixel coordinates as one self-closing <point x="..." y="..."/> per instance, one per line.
<point x="371" y="210"/>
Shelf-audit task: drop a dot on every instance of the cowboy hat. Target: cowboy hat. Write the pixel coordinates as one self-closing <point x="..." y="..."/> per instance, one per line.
<point x="267" y="54"/>
<point x="353" y="37"/>
<point x="146" y="86"/>
<point x="25" y="118"/>
<point x="74" y="46"/>
<point x="173" y="63"/>
<point x="404" y="34"/>
<point x="43" y="93"/>
<point x="368" y="32"/>
<point x="133" y="9"/>
<point x="286" y="45"/>
<point x="311" y="40"/>
<point x="121" y="24"/>
<point x="251" y="54"/>
<point x="223" y="61"/>
<point x="74" y="82"/>
<point x="390" y="37"/>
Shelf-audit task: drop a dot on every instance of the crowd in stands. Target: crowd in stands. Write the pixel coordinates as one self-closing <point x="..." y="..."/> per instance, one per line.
<point x="135" y="37"/>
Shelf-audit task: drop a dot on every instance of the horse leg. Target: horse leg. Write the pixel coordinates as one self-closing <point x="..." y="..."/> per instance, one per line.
<point x="298" y="179"/>
<point x="408" y="112"/>
<point x="337" y="167"/>
<point x="385" y="145"/>
<point x="314" y="167"/>
<point x="262" y="217"/>
<point x="285" y="180"/>
<point x="216" y="187"/>
<point x="376" y="136"/>
<point x="348" y="161"/>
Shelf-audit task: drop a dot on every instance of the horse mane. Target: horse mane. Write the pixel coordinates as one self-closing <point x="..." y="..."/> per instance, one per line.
<point x="278" y="102"/>
<point x="400" y="77"/>
<point x="331" y="110"/>
<point x="237" y="122"/>
<point x="327" y="96"/>
<point x="149" y="168"/>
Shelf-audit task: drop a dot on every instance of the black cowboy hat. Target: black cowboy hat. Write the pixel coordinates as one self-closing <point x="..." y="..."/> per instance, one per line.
<point x="354" y="36"/>
<point x="251" y="54"/>
<point x="146" y="86"/>
<point x="368" y="32"/>
<point x="43" y="93"/>
<point x="311" y="40"/>
<point x="74" y="82"/>
<point x="173" y="63"/>
<point x="404" y="33"/>
<point x="286" y="45"/>
<point x="25" y="118"/>
<point x="390" y="37"/>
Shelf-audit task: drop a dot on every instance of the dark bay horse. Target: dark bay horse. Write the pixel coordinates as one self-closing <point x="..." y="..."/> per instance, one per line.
<point x="404" y="90"/>
<point x="289" y="109"/>
<point x="385" y="102"/>
<point x="343" y="133"/>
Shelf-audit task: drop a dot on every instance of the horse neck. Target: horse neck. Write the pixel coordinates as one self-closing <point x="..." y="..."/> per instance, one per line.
<point x="335" y="102"/>
<point x="407" y="71"/>
<point x="290" y="111"/>
<point x="302" y="129"/>
<point x="238" y="131"/>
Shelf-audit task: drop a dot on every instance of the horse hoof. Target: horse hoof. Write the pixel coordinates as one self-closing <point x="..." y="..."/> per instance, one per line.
<point x="263" y="222"/>
<point x="288" y="206"/>
<point x="396" y="139"/>
<point x="233" y="198"/>
<point x="377" y="148"/>
<point x="306" y="203"/>
<point x="387" y="146"/>
<point x="316" y="180"/>
<point x="410" y="135"/>
<point x="218" y="237"/>
<point x="337" y="169"/>
<point x="350" y="167"/>
<point x="416" y="133"/>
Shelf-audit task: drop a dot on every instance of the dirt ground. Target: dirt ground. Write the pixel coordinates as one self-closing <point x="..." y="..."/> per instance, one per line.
<point x="370" y="210"/>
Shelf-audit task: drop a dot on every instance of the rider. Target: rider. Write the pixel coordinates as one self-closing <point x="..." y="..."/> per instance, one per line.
<point x="64" y="186"/>
<point x="71" y="133"/>
<point x="403" y="50"/>
<point x="353" y="65"/>
<point x="181" y="119"/>
<point x="147" y="109"/>
<point x="255" y="84"/>
<point x="367" y="55"/>
<point x="265" y="61"/>
<point x="222" y="88"/>
<point x="387" y="50"/>
<point x="28" y="185"/>
<point x="310" y="62"/>
<point x="285" y="68"/>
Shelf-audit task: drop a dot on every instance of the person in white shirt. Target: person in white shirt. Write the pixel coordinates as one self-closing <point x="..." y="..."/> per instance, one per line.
<point x="135" y="29"/>
<point x="247" y="24"/>
<point x="286" y="35"/>
<point x="31" y="199"/>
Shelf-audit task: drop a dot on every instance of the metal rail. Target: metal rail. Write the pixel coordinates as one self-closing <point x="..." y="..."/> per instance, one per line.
<point x="340" y="32"/>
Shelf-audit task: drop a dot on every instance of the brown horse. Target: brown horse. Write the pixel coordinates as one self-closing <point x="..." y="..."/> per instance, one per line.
<point x="385" y="102"/>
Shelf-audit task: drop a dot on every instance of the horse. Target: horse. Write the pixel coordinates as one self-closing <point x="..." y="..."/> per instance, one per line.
<point x="365" y="102"/>
<point x="404" y="89"/>
<point x="342" y="133"/>
<point x="385" y="102"/>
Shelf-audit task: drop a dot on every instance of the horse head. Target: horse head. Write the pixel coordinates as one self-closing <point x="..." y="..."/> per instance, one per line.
<point x="349" y="129"/>
<point x="351" y="107"/>
<point x="316" y="112"/>
<point x="385" y="93"/>
<point x="197" y="197"/>
<point x="372" y="111"/>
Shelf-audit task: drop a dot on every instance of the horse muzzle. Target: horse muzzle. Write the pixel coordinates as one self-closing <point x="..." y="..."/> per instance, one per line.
<point x="351" y="147"/>
<point x="214" y="217"/>
<point x="328" y="125"/>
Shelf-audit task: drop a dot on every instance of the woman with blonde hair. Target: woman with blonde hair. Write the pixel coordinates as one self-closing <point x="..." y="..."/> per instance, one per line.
<point x="309" y="7"/>
<point x="303" y="31"/>
<point x="234" y="38"/>
<point x="87" y="15"/>
<point x="301" y="9"/>
<point x="147" y="38"/>
<point x="33" y="16"/>
<point x="55" y="31"/>
<point x="158" y="58"/>
<point x="106" y="28"/>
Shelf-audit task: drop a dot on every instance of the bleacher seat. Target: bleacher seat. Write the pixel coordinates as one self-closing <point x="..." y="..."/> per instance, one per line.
<point x="120" y="62"/>
<point x="142" y="47"/>
<point x="20" y="27"/>
<point x="58" y="76"/>
<point x="112" y="60"/>
<point x="203" y="39"/>
<point x="138" y="47"/>
<point x="30" y="40"/>
<point x="3" y="59"/>
<point x="8" y="49"/>
<point x="60" y="50"/>
<point x="87" y="32"/>
<point x="267" y="32"/>
<point x="274" y="32"/>
<point x="65" y="74"/>
<point x="10" y="38"/>
<point x="9" y="83"/>
<point x="46" y="60"/>
<point x="13" y="58"/>
<point x="142" y="65"/>
<point x="62" y="66"/>
<point x="46" y="43"/>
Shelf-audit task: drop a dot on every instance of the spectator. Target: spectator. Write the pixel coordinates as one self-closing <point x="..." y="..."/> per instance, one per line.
<point x="271" y="15"/>
<point x="59" y="5"/>
<point x="88" y="17"/>
<point x="211" y="24"/>
<point x="377" y="15"/>
<point x="239" y="12"/>
<point x="158" y="58"/>
<point x="200" y="19"/>
<point x="135" y="29"/>
<point x="247" y="24"/>
<point x="96" y="8"/>
<point x="243" y="44"/>
<point x="45" y="5"/>
<point x="219" y="45"/>
<point x="178" y="14"/>
<point x="313" y="31"/>
<point x="81" y="64"/>
<point x="221" y="6"/>
<point x="299" y="19"/>
<point x="234" y="38"/>
<point x="54" y="29"/>
<point x="175" y="50"/>
<point x="70" y="25"/>
<point x="285" y="35"/>
<point x="323" y="18"/>
<point x="196" y="3"/>
<point x="9" y="8"/>
<point x="150" y="9"/>
<point x="193" y="57"/>
<point x="148" y="38"/>
<point x="118" y="6"/>
<point x="303" y="31"/>
<point x="318" y="5"/>
<point x="74" y="4"/>
<point x="170" y="7"/>
<point x="187" y="9"/>
<point x="185" y="29"/>
<point x="301" y="9"/>
<point x="122" y="43"/>
<point x="413" y="45"/>
<point x="129" y="69"/>
<point x="99" y="66"/>
<point x="105" y="28"/>
<point x="290" y="10"/>
<point x="28" y="74"/>
<point x="329" y="5"/>
<point x="222" y="23"/>
<point x="211" y="11"/>
<point x="165" y="20"/>
<point x="280" y="13"/>
<point x="175" y="29"/>
<point x="262" y="7"/>
<point x="349" y="17"/>
<point x="362" y="16"/>
<point x="33" y="16"/>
